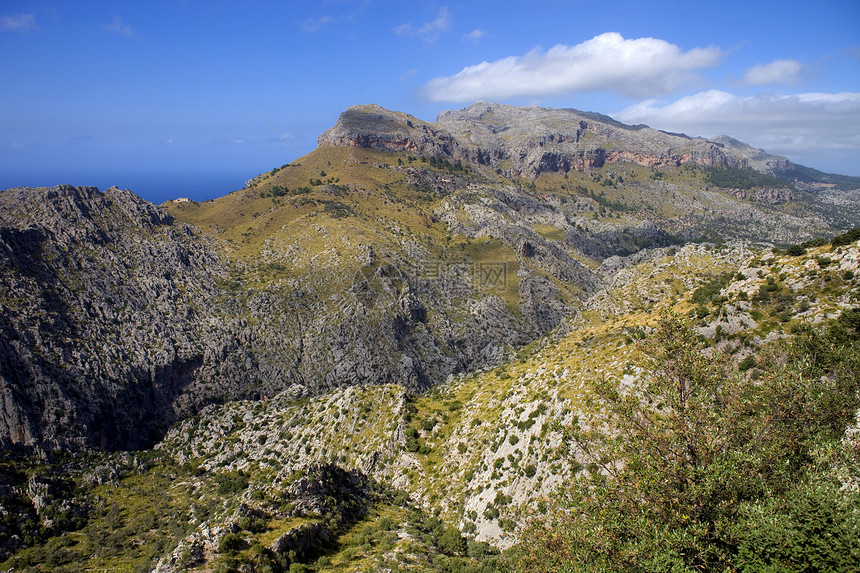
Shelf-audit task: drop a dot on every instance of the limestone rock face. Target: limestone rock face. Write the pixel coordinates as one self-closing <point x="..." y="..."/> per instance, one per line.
<point x="118" y="319"/>
<point x="100" y="321"/>
<point x="530" y="141"/>
<point x="375" y="127"/>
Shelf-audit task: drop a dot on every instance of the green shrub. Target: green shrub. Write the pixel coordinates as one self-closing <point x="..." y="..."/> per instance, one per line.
<point x="231" y="484"/>
<point x="741" y="178"/>
<point x="713" y="463"/>
<point x="451" y="542"/>
<point x="747" y="363"/>
<point x="846" y="238"/>
<point x="813" y="528"/>
<point x="795" y="251"/>
<point x="338" y="210"/>
<point x="230" y="543"/>
<point x="705" y="293"/>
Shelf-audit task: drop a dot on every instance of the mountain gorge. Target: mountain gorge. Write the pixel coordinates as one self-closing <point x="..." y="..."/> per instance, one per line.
<point x="389" y="333"/>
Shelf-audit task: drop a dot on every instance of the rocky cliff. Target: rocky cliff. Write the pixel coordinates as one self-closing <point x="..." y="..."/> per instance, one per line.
<point x="530" y="141"/>
<point x="411" y="317"/>
<point x="117" y="320"/>
<point x="399" y="252"/>
<point x="106" y="316"/>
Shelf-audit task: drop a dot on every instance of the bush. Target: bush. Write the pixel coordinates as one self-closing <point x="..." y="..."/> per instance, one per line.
<point x="846" y="238"/>
<point x="705" y="293"/>
<point x="230" y="543"/>
<point x="795" y="251"/>
<point x="713" y="463"/>
<point x="747" y="363"/>
<point x="451" y="542"/>
<point x="812" y="529"/>
<point x="230" y="484"/>
<point x="816" y="242"/>
<point x="338" y="210"/>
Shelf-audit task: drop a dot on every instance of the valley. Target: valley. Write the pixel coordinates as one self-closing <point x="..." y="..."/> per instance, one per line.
<point x="391" y="353"/>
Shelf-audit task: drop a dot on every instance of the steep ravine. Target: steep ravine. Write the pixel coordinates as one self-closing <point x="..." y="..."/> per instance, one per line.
<point x="399" y="252"/>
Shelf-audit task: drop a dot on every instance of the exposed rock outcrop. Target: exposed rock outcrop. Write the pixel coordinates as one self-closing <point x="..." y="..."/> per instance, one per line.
<point x="100" y="322"/>
<point x="117" y="319"/>
<point x="533" y="140"/>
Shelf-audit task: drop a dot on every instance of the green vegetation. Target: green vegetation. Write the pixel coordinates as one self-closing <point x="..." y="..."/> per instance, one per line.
<point x="338" y="210"/>
<point x="443" y="164"/>
<point x="710" y="290"/>
<point x="144" y="505"/>
<point x="549" y="232"/>
<point x="281" y="191"/>
<point x="715" y="473"/>
<point x="846" y="238"/>
<point x="764" y="424"/>
<point x="741" y="178"/>
<point x="795" y="251"/>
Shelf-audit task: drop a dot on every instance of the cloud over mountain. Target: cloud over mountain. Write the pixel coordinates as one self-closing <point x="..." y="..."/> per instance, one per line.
<point x="642" y="67"/>
<point x="779" y="123"/>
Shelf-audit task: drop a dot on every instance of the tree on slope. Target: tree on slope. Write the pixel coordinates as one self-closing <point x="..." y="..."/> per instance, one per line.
<point x="695" y="467"/>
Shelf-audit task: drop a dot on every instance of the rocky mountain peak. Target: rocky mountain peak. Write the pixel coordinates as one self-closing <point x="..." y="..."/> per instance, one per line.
<point x="371" y="126"/>
<point x="758" y="159"/>
<point x="118" y="317"/>
<point x="529" y="141"/>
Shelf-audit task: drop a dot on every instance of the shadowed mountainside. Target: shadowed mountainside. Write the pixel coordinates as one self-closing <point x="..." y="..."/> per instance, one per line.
<point x="398" y="252"/>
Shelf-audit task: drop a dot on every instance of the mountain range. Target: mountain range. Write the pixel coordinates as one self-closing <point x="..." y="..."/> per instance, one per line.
<point x="407" y="302"/>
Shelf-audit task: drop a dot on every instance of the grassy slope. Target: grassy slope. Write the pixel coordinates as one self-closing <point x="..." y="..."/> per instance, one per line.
<point x="293" y="236"/>
<point x="485" y="451"/>
<point x="481" y="449"/>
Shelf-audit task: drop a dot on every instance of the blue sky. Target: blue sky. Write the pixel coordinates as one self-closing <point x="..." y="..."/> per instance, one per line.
<point x="192" y="98"/>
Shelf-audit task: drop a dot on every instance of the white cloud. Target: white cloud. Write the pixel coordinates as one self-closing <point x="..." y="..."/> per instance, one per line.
<point x="784" y="72"/>
<point x="226" y="140"/>
<point x="429" y="31"/>
<point x="116" y="26"/>
<point x="315" y="24"/>
<point x="475" y="35"/>
<point x="19" y="23"/>
<point x="410" y="73"/>
<point x="800" y="124"/>
<point x="643" y="67"/>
